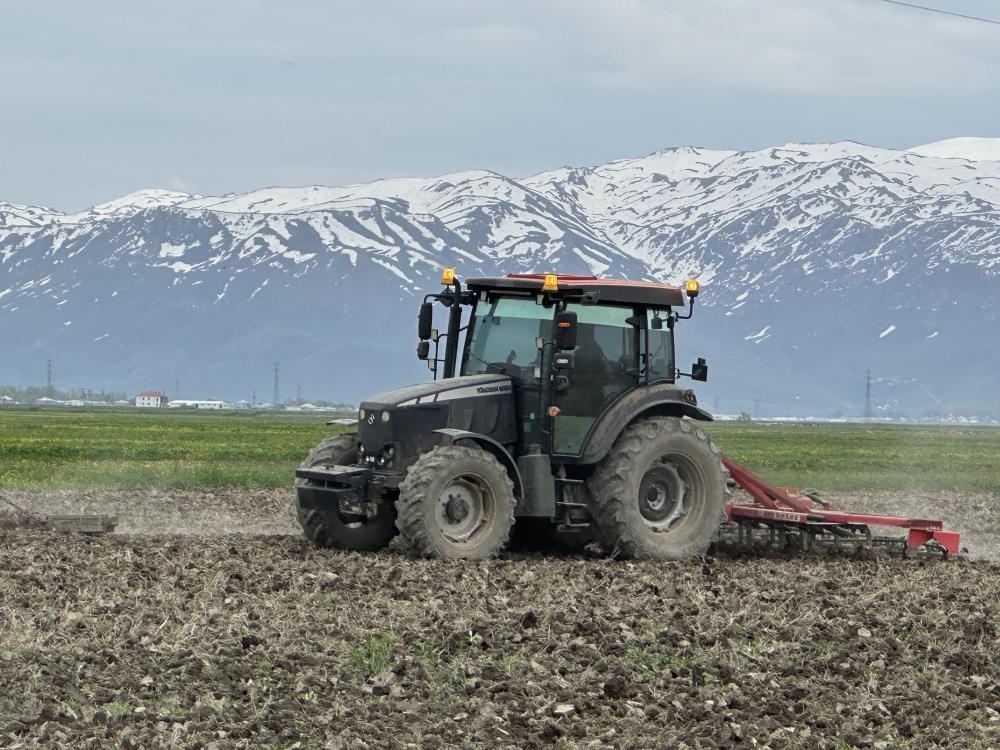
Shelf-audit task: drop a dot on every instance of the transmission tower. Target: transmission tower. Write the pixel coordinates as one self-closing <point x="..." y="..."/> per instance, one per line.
<point x="868" y="394"/>
<point x="276" y="397"/>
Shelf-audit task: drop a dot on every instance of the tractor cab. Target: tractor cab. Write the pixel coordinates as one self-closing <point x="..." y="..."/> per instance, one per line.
<point x="572" y="346"/>
<point x="540" y="383"/>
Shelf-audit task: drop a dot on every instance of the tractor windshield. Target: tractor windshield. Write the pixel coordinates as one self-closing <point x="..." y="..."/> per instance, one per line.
<point x="503" y="339"/>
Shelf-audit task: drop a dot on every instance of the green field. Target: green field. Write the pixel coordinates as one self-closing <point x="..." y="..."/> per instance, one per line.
<point x="62" y="449"/>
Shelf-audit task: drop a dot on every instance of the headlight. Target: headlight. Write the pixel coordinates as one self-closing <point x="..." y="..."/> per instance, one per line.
<point x="361" y="415"/>
<point x="385" y="416"/>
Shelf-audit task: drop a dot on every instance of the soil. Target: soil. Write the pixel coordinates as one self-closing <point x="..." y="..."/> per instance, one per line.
<point x="177" y="632"/>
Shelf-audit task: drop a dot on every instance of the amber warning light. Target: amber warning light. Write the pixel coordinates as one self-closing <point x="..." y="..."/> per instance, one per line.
<point x="551" y="283"/>
<point x="448" y="276"/>
<point x="692" y="288"/>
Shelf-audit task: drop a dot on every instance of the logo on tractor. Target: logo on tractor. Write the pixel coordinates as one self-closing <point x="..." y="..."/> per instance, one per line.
<point x="493" y="388"/>
<point x="371" y="418"/>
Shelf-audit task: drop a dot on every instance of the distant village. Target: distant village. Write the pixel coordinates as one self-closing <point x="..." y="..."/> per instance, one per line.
<point x="158" y="400"/>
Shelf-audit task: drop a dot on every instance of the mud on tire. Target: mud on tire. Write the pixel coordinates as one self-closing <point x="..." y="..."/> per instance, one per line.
<point x="328" y="529"/>
<point x="661" y="491"/>
<point x="456" y="502"/>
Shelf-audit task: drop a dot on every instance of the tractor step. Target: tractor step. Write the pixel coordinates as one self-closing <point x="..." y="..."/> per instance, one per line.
<point x="566" y="505"/>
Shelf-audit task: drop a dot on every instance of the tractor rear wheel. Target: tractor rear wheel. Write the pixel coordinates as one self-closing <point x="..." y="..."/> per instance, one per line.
<point x="456" y="502"/>
<point x="661" y="491"/>
<point x="329" y="528"/>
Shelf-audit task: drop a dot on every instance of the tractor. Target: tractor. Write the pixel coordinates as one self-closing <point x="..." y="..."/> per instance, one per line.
<point x="555" y="420"/>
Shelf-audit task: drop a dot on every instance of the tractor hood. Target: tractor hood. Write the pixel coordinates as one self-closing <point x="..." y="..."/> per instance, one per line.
<point x="468" y="386"/>
<point x="396" y="427"/>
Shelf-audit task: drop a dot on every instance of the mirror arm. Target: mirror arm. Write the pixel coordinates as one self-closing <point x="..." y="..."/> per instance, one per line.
<point x="678" y="316"/>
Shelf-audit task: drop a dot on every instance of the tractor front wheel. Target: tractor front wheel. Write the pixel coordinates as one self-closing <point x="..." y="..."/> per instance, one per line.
<point x="661" y="491"/>
<point x="456" y="502"/>
<point x="329" y="528"/>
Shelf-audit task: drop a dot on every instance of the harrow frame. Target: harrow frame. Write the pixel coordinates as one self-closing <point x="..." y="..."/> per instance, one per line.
<point x="784" y="509"/>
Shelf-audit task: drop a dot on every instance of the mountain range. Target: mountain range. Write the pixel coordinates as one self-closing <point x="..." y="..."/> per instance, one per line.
<point x="818" y="262"/>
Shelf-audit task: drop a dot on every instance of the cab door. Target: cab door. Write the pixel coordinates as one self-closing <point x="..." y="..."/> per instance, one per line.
<point x="505" y="339"/>
<point x="605" y="365"/>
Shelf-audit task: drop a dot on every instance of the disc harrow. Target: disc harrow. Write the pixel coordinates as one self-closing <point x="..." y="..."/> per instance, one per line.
<point x="785" y="518"/>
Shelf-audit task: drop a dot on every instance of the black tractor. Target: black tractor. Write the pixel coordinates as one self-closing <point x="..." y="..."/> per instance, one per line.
<point x="554" y="422"/>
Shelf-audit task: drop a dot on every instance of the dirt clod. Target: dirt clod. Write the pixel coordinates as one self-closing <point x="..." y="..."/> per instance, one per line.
<point x="180" y="640"/>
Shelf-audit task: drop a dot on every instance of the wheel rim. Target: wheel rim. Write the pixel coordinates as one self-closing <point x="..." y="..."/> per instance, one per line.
<point x="464" y="507"/>
<point x="664" y="495"/>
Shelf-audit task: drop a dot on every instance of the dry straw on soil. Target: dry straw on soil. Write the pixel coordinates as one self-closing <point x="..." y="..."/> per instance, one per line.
<point x="266" y="642"/>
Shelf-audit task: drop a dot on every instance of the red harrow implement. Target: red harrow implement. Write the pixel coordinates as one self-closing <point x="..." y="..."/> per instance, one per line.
<point x="783" y="517"/>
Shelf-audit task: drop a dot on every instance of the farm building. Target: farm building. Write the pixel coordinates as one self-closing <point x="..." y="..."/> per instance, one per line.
<point x="200" y="404"/>
<point x="151" y="399"/>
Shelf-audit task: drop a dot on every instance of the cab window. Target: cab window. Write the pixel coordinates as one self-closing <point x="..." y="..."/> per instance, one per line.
<point x="661" y="350"/>
<point x="605" y="366"/>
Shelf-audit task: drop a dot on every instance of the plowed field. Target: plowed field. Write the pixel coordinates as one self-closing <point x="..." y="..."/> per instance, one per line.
<point x="160" y="638"/>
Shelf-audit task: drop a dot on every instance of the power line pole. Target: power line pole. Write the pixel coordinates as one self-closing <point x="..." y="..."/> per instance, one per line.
<point x="48" y="379"/>
<point x="253" y="397"/>
<point x="868" y="394"/>
<point x="276" y="397"/>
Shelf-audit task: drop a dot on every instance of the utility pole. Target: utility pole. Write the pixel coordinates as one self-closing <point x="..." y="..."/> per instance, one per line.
<point x="276" y="397"/>
<point x="48" y="379"/>
<point x="868" y="394"/>
<point x="253" y="397"/>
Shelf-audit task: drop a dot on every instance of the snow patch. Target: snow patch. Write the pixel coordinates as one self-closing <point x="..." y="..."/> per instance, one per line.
<point x="297" y="257"/>
<point x="169" y="250"/>
<point x="971" y="149"/>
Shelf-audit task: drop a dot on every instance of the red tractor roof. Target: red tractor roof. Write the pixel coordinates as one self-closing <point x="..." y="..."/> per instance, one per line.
<point x="610" y="291"/>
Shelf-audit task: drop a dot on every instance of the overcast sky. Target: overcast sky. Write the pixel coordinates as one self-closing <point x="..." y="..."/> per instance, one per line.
<point x="100" y="99"/>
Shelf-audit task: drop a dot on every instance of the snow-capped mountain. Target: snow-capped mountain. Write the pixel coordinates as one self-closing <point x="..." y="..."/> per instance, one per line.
<point x="818" y="261"/>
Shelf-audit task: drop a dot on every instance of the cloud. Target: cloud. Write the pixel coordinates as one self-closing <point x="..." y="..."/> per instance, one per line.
<point x="202" y="96"/>
<point x="803" y="46"/>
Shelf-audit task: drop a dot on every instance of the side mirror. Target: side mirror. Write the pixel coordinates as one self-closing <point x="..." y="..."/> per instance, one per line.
<point x="699" y="370"/>
<point x="423" y="349"/>
<point x="425" y="320"/>
<point x="566" y="330"/>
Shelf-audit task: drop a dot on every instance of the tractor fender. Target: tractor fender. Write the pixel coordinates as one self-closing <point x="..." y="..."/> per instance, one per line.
<point x="655" y="400"/>
<point x="451" y="436"/>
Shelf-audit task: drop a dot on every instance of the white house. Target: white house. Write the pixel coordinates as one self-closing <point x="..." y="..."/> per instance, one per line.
<point x="151" y="398"/>
<point x="182" y="403"/>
